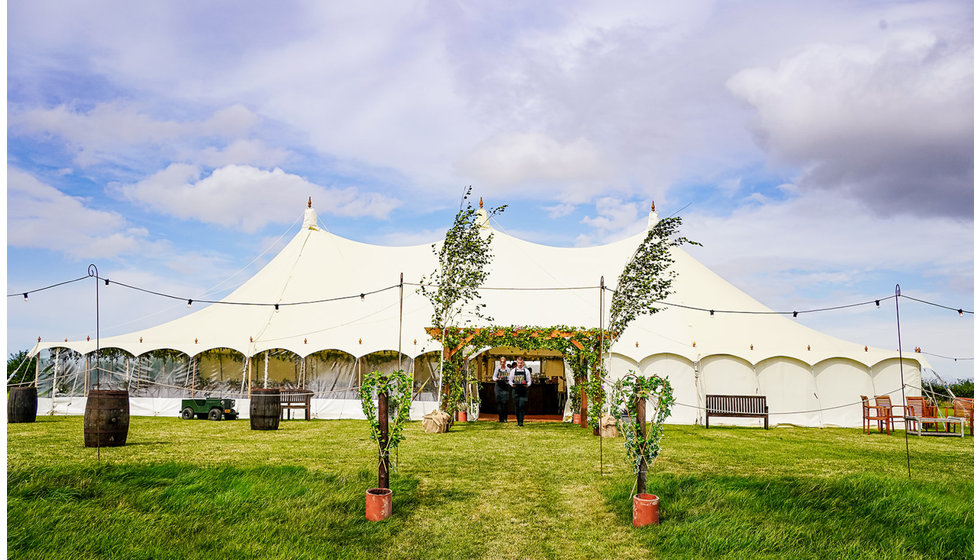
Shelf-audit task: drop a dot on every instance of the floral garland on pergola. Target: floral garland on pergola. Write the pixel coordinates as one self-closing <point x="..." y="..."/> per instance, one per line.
<point x="581" y="346"/>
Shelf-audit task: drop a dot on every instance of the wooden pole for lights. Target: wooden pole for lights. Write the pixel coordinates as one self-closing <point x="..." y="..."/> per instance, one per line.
<point x="641" y="430"/>
<point x="383" y="457"/>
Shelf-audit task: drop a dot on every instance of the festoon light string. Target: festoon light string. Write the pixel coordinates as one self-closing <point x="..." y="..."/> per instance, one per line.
<point x="877" y="302"/>
<point x="362" y="295"/>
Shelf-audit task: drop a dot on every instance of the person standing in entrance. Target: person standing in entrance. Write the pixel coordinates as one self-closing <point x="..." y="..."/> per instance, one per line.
<point x="520" y="378"/>
<point x="501" y="388"/>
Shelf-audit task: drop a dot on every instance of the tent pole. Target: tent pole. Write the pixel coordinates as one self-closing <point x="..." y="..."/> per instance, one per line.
<point x="54" y="381"/>
<point x="442" y="351"/>
<point x="265" y="380"/>
<point x="602" y="339"/>
<point x="244" y="374"/>
<point x="249" y="377"/>
<point x="901" y="372"/>
<point x="94" y="272"/>
<point x="401" y="307"/>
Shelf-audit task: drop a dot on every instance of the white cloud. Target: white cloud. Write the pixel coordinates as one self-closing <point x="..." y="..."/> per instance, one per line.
<point x="559" y="210"/>
<point x="413" y="237"/>
<point x="614" y="219"/>
<point x="891" y="125"/>
<point x="533" y="160"/>
<point x="113" y="131"/>
<point x="779" y="251"/>
<point x="231" y="122"/>
<point x="105" y="128"/>
<point x="254" y="152"/>
<point x="247" y="198"/>
<point x="42" y="217"/>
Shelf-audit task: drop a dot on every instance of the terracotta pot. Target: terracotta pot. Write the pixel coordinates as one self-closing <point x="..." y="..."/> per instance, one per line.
<point x="377" y="506"/>
<point x="576" y="418"/>
<point x="461" y="416"/>
<point x="646" y="510"/>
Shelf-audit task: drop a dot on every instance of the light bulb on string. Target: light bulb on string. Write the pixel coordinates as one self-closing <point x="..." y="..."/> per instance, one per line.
<point x="25" y="298"/>
<point x="960" y="311"/>
<point x="189" y="302"/>
<point x="277" y="308"/>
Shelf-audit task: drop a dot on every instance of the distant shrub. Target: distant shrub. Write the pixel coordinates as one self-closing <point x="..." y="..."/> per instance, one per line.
<point x="959" y="388"/>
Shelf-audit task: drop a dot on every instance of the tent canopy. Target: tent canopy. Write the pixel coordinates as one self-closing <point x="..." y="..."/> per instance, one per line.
<point x="308" y="298"/>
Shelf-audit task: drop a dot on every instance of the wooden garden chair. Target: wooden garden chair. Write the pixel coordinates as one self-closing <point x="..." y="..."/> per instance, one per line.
<point x="918" y="410"/>
<point x="872" y="413"/>
<point x="962" y="408"/>
<point x="888" y="410"/>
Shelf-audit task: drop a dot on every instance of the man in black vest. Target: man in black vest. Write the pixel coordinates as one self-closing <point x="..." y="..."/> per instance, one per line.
<point x="520" y="379"/>
<point x="501" y="389"/>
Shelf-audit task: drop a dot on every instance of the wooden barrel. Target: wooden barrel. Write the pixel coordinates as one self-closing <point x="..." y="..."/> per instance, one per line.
<point x="264" y="409"/>
<point x="21" y="404"/>
<point x="106" y="418"/>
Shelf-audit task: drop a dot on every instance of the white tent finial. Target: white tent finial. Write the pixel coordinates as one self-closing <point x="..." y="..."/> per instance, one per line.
<point x="309" y="216"/>
<point x="654" y="217"/>
<point x="482" y="219"/>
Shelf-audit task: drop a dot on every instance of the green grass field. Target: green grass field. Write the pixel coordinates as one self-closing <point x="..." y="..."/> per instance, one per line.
<point x="199" y="489"/>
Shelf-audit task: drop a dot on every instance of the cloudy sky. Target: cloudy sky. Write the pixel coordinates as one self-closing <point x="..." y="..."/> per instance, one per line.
<point x="821" y="151"/>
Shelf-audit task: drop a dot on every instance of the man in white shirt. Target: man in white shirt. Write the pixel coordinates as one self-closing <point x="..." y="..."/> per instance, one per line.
<point x="520" y="380"/>
<point x="501" y="389"/>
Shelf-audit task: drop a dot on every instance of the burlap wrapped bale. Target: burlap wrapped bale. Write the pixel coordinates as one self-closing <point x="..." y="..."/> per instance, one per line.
<point x="607" y="426"/>
<point x="435" y="422"/>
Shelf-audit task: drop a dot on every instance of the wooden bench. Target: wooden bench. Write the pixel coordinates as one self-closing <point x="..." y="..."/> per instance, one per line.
<point x="295" y="398"/>
<point x="736" y="406"/>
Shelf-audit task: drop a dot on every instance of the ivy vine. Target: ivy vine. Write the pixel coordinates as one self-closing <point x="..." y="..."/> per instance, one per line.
<point x="575" y="397"/>
<point x="625" y="395"/>
<point x="596" y="393"/>
<point x="398" y="387"/>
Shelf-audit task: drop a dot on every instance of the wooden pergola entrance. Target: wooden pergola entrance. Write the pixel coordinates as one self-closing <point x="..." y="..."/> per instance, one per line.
<point x="581" y="348"/>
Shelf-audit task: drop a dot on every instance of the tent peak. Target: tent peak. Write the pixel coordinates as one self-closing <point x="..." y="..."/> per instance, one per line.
<point x="482" y="218"/>
<point x="654" y="217"/>
<point x="309" y="216"/>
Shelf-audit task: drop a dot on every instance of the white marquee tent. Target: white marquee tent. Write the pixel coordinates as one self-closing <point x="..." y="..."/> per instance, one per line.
<point x="329" y="307"/>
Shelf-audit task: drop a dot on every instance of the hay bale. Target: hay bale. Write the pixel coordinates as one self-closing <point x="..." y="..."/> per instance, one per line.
<point x="436" y="422"/>
<point x="607" y="426"/>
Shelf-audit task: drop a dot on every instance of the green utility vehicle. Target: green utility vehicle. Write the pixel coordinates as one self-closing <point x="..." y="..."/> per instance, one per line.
<point x="208" y="407"/>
